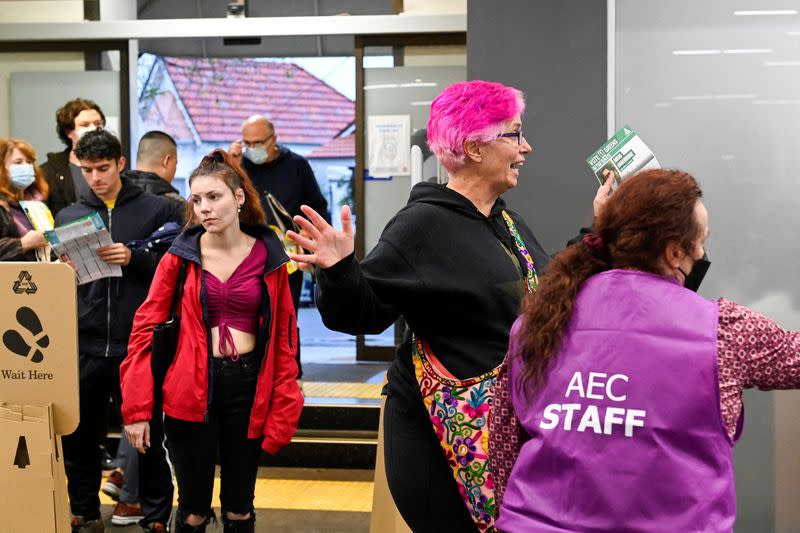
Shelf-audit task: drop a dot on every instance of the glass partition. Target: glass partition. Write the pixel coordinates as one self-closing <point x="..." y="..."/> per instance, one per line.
<point x="396" y="98"/>
<point x="712" y="88"/>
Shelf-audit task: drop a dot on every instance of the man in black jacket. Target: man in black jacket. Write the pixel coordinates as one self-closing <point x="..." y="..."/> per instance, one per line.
<point x="62" y="169"/>
<point x="288" y="176"/>
<point x="106" y="307"/>
<point x="156" y="163"/>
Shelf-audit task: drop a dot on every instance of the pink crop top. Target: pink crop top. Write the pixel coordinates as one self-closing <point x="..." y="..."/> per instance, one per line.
<point x="235" y="302"/>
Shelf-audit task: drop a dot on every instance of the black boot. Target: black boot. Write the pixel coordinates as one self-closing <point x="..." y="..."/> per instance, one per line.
<point x="247" y="525"/>
<point x="182" y="527"/>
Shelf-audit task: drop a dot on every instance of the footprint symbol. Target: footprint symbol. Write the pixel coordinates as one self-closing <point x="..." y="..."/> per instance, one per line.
<point x="14" y="341"/>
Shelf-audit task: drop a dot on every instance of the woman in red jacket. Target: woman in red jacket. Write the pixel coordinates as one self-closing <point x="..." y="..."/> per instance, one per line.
<point x="232" y="383"/>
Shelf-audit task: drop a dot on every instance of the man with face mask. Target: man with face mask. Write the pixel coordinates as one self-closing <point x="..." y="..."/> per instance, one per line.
<point x="276" y="170"/>
<point x="62" y="169"/>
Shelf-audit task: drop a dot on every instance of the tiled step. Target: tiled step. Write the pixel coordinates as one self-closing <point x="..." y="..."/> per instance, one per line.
<point x="338" y="429"/>
<point x="333" y="433"/>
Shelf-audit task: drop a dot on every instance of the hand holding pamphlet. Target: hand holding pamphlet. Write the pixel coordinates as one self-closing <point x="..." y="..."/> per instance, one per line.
<point x="621" y="156"/>
<point x="42" y="220"/>
<point x="79" y="241"/>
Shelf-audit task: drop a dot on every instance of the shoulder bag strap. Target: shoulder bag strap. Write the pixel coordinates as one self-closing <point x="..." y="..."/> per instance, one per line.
<point x="532" y="278"/>
<point x="177" y="294"/>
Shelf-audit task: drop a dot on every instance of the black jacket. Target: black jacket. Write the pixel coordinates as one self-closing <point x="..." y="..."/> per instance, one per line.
<point x="59" y="179"/>
<point x="290" y="179"/>
<point x="455" y="275"/>
<point x="106" y="306"/>
<point x="154" y="184"/>
<point x="10" y="238"/>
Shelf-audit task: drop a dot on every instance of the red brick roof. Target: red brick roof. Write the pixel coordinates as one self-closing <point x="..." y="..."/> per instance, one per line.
<point x="220" y="94"/>
<point x="340" y="147"/>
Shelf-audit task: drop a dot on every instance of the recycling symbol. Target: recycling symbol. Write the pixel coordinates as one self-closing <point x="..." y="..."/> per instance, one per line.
<point x="24" y="284"/>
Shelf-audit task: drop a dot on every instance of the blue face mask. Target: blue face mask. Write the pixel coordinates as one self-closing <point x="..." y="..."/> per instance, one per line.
<point x="256" y="154"/>
<point x="22" y="175"/>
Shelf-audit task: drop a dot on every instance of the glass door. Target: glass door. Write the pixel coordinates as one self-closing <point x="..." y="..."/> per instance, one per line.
<point x="396" y="81"/>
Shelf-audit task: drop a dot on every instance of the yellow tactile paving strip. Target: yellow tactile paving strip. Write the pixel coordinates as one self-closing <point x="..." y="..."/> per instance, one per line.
<point x="328" y="389"/>
<point x="302" y="494"/>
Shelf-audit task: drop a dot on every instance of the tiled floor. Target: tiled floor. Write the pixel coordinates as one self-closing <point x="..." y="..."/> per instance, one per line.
<point x="298" y="500"/>
<point x="328" y="389"/>
<point x="305" y="500"/>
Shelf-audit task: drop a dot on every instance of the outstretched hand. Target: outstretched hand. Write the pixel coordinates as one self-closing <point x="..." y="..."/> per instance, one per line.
<point x="325" y="245"/>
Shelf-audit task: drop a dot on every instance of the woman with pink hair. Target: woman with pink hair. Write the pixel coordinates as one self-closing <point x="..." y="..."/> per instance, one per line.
<point x="455" y="263"/>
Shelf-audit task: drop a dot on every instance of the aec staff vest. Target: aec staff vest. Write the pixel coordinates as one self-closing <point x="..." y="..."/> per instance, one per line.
<point x="627" y="432"/>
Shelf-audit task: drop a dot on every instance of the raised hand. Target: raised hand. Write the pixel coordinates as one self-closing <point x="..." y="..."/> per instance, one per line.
<point x="603" y="192"/>
<point x="235" y="151"/>
<point x="325" y="245"/>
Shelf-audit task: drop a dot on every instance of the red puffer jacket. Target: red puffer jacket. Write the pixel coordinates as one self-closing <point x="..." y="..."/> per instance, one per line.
<point x="186" y="391"/>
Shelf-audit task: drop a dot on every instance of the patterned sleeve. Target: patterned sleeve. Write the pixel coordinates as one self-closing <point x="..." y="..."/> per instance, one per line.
<point x="505" y="435"/>
<point x="752" y="352"/>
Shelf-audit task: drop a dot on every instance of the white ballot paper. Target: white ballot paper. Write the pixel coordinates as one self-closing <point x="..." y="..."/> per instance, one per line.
<point x="621" y="156"/>
<point x="78" y="241"/>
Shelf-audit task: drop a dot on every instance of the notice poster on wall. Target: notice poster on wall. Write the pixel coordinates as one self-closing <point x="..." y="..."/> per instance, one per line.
<point x="621" y="156"/>
<point x="389" y="145"/>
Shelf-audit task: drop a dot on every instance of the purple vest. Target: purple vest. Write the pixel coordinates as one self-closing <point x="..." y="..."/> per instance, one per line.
<point x="627" y="432"/>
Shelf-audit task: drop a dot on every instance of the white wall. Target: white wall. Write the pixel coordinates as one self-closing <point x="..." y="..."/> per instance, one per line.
<point x="35" y="11"/>
<point x="31" y="62"/>
<point x="426" y="7"/>
<point x="41" y="11"/>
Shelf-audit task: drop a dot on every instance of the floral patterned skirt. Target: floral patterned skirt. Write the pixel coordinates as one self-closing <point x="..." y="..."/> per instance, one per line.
<point x="458" y="410"/>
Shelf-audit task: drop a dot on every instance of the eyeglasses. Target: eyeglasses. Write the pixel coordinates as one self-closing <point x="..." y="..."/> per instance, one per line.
<point x="257" y="143"/>
<point x="517" y="134"/>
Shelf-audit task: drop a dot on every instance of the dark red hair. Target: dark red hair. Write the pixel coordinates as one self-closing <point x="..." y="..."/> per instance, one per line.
<point x="220" y="164"/>
<point x="647" y="212"/>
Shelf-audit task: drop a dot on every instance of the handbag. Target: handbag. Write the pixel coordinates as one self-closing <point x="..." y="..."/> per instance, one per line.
<point x="459" y="411"/>
<point x="165" y="337"/>
<point x="284" y="222"/>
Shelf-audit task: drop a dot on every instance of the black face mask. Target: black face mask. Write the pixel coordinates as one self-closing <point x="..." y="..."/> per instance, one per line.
<point x="694" y="278"/>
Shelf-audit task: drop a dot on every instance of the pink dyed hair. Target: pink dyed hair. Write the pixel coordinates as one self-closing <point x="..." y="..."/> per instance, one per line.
<point x="470" y="111"/>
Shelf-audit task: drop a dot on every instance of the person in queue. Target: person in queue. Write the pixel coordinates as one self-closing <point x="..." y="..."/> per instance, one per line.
<point x="20" y="179"/>
<point x="455" y="264"/>
<point x="275" y="169"/>
<point x="236" y="389"/>
<point x="106" y="308"/>
<point x="627" y="386"/>
<point x="62" y="170"/>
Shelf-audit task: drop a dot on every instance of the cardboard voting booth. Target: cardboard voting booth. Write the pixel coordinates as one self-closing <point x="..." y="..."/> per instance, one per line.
<point x="385" y="517"/>
<point x="38" y="393"/>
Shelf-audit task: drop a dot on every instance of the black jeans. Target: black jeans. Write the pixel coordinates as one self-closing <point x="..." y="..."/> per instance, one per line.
<point x="99" y="381"/>
<point x="418" y="475"/>
<point x="155" y="475"/>
<point x="193" y="445"/>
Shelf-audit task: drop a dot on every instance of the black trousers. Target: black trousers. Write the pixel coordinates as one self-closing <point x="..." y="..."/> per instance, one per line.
<point x="296" y="287"/>
<point x="419" y="477"/>
<point x="99" y="381"/>
<point x="194" y="445"/>
<point x="155" y="475"/>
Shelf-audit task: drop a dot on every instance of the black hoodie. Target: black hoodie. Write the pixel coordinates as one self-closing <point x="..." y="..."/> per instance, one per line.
<point x="290" y="179"/>
<point x="454" y="274"/>
<point x="106" y="306"/>
<point x="154" y="184"/>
